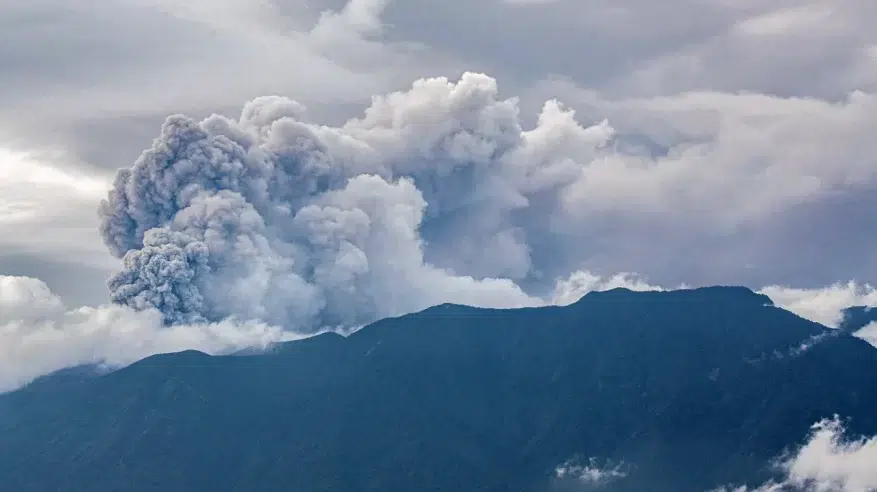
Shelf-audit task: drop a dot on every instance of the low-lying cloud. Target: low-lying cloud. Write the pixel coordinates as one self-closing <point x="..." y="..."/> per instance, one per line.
<point x="824" y="305"/>
<point x="591" y="474"/>
<point x="828" y="462"/>
<point x="40" y="335"/>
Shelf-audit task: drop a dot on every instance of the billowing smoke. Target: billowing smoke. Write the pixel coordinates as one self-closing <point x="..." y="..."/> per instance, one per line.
<point x="435" y="195"/>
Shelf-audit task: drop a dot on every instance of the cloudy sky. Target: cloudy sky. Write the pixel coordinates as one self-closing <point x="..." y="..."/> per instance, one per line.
<point x="763" y="113"/>
<point x="692" y="142"/>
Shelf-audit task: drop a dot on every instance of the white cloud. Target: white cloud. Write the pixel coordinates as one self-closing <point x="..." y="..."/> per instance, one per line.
<point x="823" y="305"/>
<point x="869" y="333"/>
<point x="828" y="462"/>
<point x="570" y="289"/>
<point x="592" y="473"/>
<point x="740" y="182"/>
<point x="733" y="159"/>
<point x="39" y="335"/>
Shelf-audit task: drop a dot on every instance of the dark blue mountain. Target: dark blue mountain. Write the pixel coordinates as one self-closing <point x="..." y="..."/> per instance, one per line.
<point x="687" y="390"/>
<point x="857" y="317"/>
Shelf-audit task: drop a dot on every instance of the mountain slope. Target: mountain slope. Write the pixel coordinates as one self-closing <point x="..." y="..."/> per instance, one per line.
<point x="688" y="389"/>
<point x="857" y="317"/>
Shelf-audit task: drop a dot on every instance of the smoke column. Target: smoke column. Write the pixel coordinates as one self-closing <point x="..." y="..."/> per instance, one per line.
<point x="433" y="195"/>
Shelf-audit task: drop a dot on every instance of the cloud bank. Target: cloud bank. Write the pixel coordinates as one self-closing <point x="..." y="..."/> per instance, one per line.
<point x="824" y="305"/>
<point x="39" y="335"/>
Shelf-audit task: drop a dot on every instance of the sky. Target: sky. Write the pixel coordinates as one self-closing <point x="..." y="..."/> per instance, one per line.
<point x="767" y="108"/>
<point x="496" y="152"/>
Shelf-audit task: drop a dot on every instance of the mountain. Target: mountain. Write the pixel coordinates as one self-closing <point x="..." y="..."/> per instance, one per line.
<point x="682" y="391"/>
<point x="857" y="317"/>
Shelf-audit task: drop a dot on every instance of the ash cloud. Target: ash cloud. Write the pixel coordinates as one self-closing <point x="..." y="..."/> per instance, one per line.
<point x="436" y="194"/>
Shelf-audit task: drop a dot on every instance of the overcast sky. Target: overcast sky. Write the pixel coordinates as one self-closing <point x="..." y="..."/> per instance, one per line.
<point x="771" y="105"/>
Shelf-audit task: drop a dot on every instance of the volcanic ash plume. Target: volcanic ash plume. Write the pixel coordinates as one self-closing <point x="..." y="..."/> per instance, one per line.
<point x="434" y="195"/>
